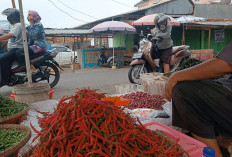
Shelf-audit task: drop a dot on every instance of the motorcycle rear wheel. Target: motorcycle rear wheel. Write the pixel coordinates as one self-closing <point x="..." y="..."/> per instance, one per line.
<point x="100" y="64"/>
<point x="134" y="73"/>
<point x="50" y="73"/>
<point x="116" y="63"/>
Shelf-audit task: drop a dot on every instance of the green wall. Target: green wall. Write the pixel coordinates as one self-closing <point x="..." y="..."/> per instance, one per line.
<point x="124" y="40"/>
<point x="219" y="46"/>
<point x="198" y="39"/>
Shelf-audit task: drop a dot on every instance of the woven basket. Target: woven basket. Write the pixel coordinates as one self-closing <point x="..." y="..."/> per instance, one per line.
<point x="13" y="119"/>
<point x="14" y="149"/>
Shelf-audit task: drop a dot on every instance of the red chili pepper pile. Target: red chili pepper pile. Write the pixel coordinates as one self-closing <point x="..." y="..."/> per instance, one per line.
<point x="144" y="100"/>
<point x="83" y="125"/>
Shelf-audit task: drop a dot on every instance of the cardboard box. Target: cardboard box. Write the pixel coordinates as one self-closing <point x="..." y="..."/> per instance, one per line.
<point x="75" y="66"/>
<point x="203" y="54"/>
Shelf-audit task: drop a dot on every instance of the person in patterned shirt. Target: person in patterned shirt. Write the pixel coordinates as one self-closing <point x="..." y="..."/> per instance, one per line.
<point x="201" y="103"/>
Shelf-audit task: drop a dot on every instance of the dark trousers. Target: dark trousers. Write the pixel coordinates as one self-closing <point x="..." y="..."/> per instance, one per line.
<point x="20" y="56"/>
<point x="203" y="108"/>
<point x="6" y="61"/>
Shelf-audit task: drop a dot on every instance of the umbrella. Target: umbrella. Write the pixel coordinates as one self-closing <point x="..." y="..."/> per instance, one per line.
<point x="149" y="20"/>
<point x="112" y="27"/>
<point x="5" y="25"/>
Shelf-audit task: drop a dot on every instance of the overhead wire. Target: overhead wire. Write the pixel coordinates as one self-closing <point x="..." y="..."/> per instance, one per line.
<point x="66" y="12"/>
<point x="77" y="10"/>
<point x="122" y="4"/>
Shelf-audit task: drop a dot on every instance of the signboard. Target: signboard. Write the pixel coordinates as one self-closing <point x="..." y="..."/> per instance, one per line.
<point x="91" y="56"/>
<point x="58" y="39"/>
<point x="49" y="40"/>
<point x="219" y="36"/>
<point x="69" y="40"/>
<point x="204" y="54"/>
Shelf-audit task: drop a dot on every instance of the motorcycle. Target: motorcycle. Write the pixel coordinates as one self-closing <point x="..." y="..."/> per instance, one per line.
<point x="145" y="61"/>
<point x="47" y="70"/>
<point x="104" y="61"/>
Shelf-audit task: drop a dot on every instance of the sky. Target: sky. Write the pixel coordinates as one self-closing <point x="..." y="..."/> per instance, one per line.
<point x="80" y="11"/>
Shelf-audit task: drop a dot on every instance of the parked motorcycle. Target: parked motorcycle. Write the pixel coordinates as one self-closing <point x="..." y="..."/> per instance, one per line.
<point x="104" y="61"/>
<point x="44" y="62"/>
<point x="145" y="61"/>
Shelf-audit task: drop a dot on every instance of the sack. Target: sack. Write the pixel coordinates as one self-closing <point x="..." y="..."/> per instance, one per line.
<point x="36" y="49"/>
<point x="154" y="83"/>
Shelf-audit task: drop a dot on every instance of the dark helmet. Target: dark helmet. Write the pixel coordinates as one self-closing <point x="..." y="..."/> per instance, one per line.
<point x="162" y="22"/>
<point x="157" y="17"/>
<point x="13" y="15"/>
<point x="161" y="15"/>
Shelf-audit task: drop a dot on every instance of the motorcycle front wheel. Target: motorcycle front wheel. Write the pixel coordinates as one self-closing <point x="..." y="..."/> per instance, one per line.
<point x="48" y="73"/>
<point x="134" y="73"/>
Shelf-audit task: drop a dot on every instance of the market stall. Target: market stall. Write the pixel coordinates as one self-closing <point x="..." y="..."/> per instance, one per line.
<point x="91" y="56"/>
<point x="88" y="123"/>
<point x="112" y="28"/>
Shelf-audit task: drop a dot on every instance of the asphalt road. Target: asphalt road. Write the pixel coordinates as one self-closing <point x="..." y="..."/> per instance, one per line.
<point x="103" y="79"/>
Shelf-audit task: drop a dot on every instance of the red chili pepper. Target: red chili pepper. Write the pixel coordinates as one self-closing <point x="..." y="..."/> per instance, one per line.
<point x="84" y="125"/>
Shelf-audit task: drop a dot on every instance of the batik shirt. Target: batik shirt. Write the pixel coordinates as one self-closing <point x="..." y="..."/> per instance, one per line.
<point x="36" y="34"/>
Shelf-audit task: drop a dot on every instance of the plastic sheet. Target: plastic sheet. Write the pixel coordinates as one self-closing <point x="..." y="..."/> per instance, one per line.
<point x="168" y="108"/>
<point x="42" y="106"/>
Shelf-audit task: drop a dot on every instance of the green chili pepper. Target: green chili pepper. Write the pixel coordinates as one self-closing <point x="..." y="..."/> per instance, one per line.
<point x="9" y="137"/>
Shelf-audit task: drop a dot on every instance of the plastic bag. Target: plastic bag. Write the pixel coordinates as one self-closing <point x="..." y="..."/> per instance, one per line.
<point x="168" y="108"/>
<point x="146" y="114"/>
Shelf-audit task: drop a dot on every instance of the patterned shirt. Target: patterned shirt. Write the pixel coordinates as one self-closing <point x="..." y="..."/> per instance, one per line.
<point x="36" y="35"/>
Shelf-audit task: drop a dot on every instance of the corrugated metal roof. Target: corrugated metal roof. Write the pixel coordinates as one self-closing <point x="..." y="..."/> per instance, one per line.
<point x="215" y="23"/>
<point x="139" y="12"/>
<point x="65" y="31"/>
<point x="213" y="11"/>
<point x="141" y="2"/>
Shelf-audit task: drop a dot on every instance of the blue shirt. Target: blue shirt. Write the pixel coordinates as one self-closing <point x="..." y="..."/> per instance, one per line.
<point x="36" y="35"/>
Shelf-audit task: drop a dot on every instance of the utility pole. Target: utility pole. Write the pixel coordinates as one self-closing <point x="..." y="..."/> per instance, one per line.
<point x="13" y="4"/>
<point x="25" y="42"/>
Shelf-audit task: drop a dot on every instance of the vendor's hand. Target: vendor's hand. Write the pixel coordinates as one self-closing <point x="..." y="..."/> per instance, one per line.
<point x="170" y="84"/>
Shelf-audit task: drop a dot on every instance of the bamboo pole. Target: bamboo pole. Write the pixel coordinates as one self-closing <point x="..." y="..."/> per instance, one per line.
<point x="13" y="4"/>
<point x="183" y="36"/>
<point x="209" y="39"/>
<point x="25" y="42"/>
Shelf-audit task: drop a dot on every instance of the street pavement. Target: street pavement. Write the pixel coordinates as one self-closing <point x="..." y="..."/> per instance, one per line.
<point x="103" y="79"/>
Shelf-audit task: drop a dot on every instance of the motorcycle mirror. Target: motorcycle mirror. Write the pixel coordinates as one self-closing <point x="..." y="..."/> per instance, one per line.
<point x="149" y="37"/>
<point x="187" y="46"/>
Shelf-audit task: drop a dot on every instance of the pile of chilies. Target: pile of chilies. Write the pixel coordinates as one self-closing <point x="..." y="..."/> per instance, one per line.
<point x="84" y="125"/>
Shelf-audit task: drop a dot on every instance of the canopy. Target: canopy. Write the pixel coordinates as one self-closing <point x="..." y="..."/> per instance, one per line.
<point x="5" y="25"/>
<point x="112" y="27"/>
<point x="148" y="20"/>
<point x="190" y="19"/>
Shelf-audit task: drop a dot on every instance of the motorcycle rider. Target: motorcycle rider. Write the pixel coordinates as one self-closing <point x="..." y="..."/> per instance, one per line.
<point x="37" y="41"/>
<point x="15" y="42"/>
<point x="164" y="43"/>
